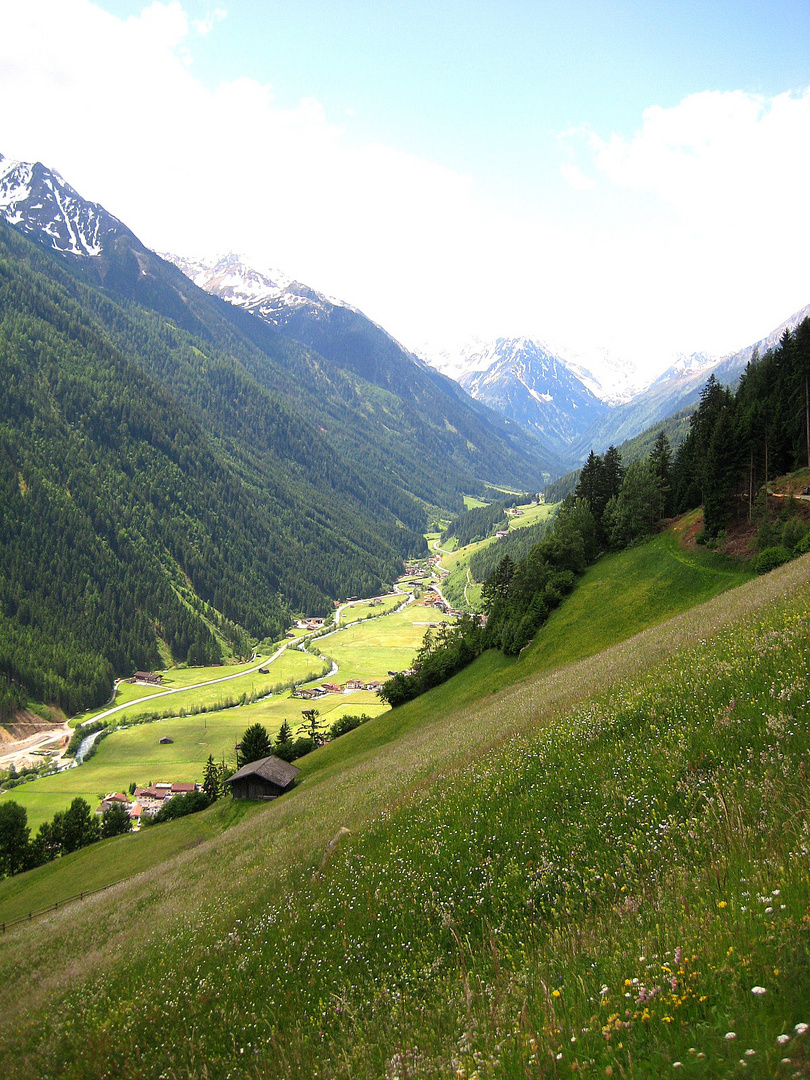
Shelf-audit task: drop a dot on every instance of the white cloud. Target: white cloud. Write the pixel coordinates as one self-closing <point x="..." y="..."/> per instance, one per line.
<point x="716" y="155"/>
<point x="207" y="24"/>
<point x="709" y="202"/>
<point x="163" y="26"/>
<point x="113" y="106"/>
<point x="574" y="176"/>
<point x="687" y="233"/>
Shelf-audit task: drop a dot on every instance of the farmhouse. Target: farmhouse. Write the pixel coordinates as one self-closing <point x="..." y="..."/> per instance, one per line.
<point x="152" y="798"/>
<point x="147" y="678"/>
<point x="116" y="799"/>
<point x="266" y="778"/>
<point x="309" y="693"/>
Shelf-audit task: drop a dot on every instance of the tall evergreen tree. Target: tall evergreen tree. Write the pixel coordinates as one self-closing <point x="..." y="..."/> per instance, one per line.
<point x="14" y="834"/>
<point x="255" y="744"/>
<point x="661" y="461"/>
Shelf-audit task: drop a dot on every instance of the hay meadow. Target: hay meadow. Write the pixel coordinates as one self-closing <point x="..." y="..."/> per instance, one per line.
<point x="598" y="865"/>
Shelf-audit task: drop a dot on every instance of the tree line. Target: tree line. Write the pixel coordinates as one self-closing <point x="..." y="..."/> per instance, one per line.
<point x="69" y="831"/>
<point x="610" y="508"/>
<point x="738" y="442"/>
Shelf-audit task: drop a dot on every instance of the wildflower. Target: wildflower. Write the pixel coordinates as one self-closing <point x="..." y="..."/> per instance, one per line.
<point x="555" y="993"/>
<point x="800" y="1029"/>
<point x="722" y="904"/>
<point x="730" y="1035"/>
<point x="677" y="1064"/>
<point x="750" y="1053"/>
<point x="758" y="990"/>
<point x="782" y="1039"/>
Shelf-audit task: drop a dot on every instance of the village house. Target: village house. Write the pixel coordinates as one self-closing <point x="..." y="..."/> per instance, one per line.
<point x="310" y="624"/>
<point x="353" y="684"/>
<point x="331" y="688"/>
<point x="309" y="693"/>
<point x="147" y="678"/>
<point x="115" y="799"/>
<point x="152" y="798"/>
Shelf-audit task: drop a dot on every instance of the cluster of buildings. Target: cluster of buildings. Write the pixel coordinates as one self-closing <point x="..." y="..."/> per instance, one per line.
<point x="310" y="693"/>
<point x="145" y="802"/>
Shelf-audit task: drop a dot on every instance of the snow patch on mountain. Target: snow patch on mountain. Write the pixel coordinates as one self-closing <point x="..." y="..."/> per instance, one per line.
<point x="264" y="292"/>
<point x="40" y="203"/>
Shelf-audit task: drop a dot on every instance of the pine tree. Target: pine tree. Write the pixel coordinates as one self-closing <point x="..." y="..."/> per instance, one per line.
<point x="661" y="461"/>
<point x="211" y="783"/>
<point x="255" y="745"/>
<point x="312" y="727"/>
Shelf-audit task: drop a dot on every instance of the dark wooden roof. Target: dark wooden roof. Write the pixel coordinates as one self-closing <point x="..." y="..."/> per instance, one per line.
<point x="269" y="768"/>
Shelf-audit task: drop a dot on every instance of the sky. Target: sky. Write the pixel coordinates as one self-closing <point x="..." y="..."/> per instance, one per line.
<point x="600" y="174"/>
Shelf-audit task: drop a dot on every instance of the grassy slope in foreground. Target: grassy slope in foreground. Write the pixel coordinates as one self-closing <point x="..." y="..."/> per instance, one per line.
<point x="618" y="596"/>
<point x="667" y="802"/>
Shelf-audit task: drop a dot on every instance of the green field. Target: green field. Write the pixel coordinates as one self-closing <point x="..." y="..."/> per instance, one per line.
<point x="366" y="650"/>
<point x="369" y="650"/>
<point x="366" y="609"/>
<point x="110" y="861"/>
<point x="518" y="863"/>
<point x="631" y="591"/>
<point x="458" y="558"/>
<point x="290" y="665"/>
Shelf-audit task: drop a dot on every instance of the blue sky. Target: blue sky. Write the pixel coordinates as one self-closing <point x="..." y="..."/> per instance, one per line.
<point x="600" y="174"/>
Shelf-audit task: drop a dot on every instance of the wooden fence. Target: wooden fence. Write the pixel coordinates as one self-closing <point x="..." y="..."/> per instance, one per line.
<point x="54" y="907"/>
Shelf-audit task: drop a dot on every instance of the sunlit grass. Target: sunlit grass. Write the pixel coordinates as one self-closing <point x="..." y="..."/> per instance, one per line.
<point x="590" y="871"/>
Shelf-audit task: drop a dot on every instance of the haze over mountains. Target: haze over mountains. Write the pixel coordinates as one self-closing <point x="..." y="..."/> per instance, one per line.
<point x="574" y="410"/>
<point x="545" y="392"/>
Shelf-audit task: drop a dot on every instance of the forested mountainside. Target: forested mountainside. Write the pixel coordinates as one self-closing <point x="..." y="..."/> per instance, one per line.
<point x="176" y="472"/>
<point x="738" y="442"/>
<point x="404" y="429"/>
<point x="128" y="512"/>
<point x="429" y="407"/>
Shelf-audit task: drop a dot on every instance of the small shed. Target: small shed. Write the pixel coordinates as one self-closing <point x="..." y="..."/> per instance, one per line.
<point x="266" y="778"/>
<point x="165" y="740"/>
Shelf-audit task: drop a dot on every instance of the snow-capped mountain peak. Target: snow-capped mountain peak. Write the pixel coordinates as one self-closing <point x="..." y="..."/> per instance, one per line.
<point x="271" y="294"/>
<point x="39" y="202"/>
<point x="527" y="381"/>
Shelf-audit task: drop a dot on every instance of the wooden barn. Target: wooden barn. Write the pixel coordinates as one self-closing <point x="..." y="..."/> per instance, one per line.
<point x="266" y="778"/>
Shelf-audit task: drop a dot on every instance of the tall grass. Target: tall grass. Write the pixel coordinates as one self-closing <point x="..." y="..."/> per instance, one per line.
<point x="613" y="879"/>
